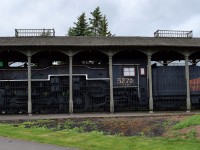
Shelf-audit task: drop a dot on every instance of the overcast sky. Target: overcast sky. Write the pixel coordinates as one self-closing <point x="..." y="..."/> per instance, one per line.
<point x="125" y="17"/>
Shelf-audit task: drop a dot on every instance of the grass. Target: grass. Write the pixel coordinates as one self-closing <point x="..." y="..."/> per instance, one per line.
<point x="188" y="122"/>
<point x="95" y="140"/>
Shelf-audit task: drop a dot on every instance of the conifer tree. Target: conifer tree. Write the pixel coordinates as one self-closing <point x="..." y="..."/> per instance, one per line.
<point x="81" y="27"/>
<point x="98" y="25"/>
<point x="103" y="29"/>
<point x="95" y="21"/>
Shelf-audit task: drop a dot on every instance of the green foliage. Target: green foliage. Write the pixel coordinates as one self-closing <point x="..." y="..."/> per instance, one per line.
<point x="69" y="124"/>
<point x="26" y="124"/>
<point x="84" y="126"/>
<point x="95" y="21"/>
<point x="98" y="25"/>
<point x="192" y="134"/>
<point x="103" y="29"/>
<point x="188" y="122"/>
<point x="81" y="27"/>
<point x="41" y="123"/>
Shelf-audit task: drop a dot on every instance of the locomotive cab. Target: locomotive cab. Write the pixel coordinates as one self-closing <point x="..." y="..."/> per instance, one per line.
<point x="130" y="85"/>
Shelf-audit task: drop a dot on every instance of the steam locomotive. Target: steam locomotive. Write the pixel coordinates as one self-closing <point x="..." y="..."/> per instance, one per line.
<point x="91" y="87"/>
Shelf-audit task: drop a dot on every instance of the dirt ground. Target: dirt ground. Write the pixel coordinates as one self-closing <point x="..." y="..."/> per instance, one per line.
<point x="147" y="126"/>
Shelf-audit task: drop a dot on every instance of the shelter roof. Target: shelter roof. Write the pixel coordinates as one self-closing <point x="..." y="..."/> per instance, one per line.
<point x="115" y="42"/>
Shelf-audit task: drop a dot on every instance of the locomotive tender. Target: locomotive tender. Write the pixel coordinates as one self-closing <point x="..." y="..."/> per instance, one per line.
<point x="97" y="74"/>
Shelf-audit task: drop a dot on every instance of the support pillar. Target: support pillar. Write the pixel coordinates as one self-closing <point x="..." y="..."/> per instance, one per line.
<point x="188" y="101"/>
<point x="111" y="85"/>
<point x="29" y="86"/>
<point x="150" y="84"/>
<point x="70" y="86"/>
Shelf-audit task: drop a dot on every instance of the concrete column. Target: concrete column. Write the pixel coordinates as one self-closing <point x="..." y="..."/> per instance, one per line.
<point x="150" y="84"/>
<point x="70" y="86"/>
<point x="29" y="86"/>
<point x="111" y="85"/>
<point x="188" y="101"/>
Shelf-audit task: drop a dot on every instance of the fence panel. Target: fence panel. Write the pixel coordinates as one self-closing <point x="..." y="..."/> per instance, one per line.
<point x="13" y="97"/>
<point x="90" y="95"/>
<point x="169" y="88"/>
<point x="51" y="96"/>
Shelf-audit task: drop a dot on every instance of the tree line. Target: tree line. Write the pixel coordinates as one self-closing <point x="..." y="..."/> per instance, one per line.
<point x="97" y="25"/>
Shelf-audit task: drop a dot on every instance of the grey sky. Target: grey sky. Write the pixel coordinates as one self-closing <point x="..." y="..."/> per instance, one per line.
<point x="125" y="17"/>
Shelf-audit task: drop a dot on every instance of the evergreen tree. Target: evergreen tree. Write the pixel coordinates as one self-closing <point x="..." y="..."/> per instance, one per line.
<point x="81" y="27"/>
<point x="95" y="21"/>
<point x="98" y="25"/>
<point x="103" y="29"/>
<point x="71" y="31"/>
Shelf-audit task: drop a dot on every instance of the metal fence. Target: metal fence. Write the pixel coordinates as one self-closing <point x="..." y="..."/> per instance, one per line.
<point x="51" y="96"/>
<point x="195" y="86"/>
<point x="34" y="32"/>
<point x="93" y="95"/>
<point x="13" y="97"/>
<point x="169" y="88"/>
<point x="173" y="33"/>
<point x="90" y="95"/>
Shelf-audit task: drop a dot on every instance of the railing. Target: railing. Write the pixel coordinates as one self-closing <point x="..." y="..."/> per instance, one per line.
<point x="34" y="32"/>
<point x="173" y="34"/>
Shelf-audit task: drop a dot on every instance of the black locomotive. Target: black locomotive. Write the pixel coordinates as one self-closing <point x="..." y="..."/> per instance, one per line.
<point x="91" y="86"/>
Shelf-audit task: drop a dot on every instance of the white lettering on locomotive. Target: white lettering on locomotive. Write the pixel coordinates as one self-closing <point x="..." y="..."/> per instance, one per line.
<point x="125" y="81"/>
